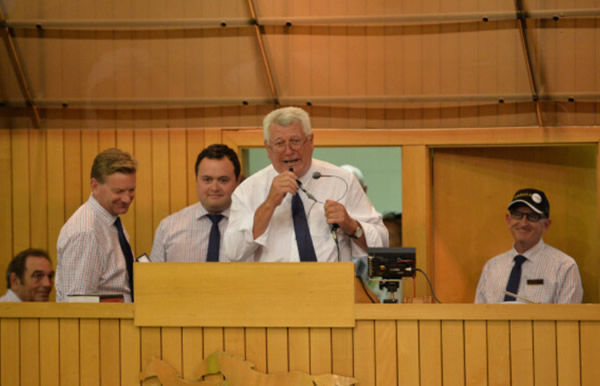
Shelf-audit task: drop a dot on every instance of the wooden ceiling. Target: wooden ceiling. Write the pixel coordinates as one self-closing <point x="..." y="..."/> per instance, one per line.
<point x="356" y="63"/>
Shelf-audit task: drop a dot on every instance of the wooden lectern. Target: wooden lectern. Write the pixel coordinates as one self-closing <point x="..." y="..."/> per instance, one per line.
<point x="245" y="294"/>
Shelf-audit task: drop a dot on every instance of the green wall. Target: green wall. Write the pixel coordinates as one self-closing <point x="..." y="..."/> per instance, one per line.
<point x="381" y="166"/>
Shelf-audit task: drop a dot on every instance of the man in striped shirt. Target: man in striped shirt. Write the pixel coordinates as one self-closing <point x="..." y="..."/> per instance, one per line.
<point x="185" y="236"/>
<point x="532" y="270"/>
<point x="93" y="251"/>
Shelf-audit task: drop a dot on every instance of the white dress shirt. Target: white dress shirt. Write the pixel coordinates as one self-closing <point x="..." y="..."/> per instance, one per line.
<point x="10" y="296"/>
<point x="183" y="236"/>
<point x="278" y="242"/>
<point x="547" y="276"/>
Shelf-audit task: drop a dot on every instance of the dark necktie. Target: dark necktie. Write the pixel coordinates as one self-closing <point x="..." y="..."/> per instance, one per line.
<point x="514" y="279"/>
<point x="214" y="238"/>
<point x="126" y="252"/>
<point x="306" y="249"/>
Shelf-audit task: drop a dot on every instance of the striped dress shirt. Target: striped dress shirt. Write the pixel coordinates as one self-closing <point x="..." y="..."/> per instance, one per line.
<point x="183" y="236"/>
<point x="548" y="276"/>
<point x="89" y="257"/>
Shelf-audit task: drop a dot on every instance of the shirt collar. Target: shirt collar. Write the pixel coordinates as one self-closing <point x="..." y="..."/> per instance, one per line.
<point x="532" y="253"/>
<point x="200" y="211"/>
<point x="104" y="214"/>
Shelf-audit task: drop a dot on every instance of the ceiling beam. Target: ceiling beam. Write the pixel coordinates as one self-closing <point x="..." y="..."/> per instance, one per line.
<point x="9" y="43"/>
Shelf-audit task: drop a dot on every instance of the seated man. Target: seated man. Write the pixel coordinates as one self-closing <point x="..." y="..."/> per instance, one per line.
<point x="29" y="277"/>
<point x="299" y="208"/>
<point x="533" y="270"/>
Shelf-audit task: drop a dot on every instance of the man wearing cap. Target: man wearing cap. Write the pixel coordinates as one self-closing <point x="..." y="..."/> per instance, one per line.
<point x="532" y="269"/>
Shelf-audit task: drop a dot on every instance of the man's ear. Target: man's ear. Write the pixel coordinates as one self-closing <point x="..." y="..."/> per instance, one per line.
<point x="14" y="280"/>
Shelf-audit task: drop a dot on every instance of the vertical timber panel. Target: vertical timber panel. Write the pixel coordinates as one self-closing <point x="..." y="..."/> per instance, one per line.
<point x="29" y="334"/>
<point x="498" y="352"/>
<point x="568" y="353"/>
<point x="544" y="353"/>
<point x="521" y="352"/>
<point x="320" y="350"/>
<point x="277" y="349"/>
<point x="110" y="352"/>
<point x="364" y="352"/>
<point x="590" y="341"/>
<point x="49" y="340"/>
<point x="69" y="352"/>
<point x="299" y="349"/>
<point x="453" y="353"/>
<point x="341" y="350"/>
<point x="475" y="353"/>
<point x="89" y="346"/>
<point x="385" y="352"/>
<point x="130" y="349"/>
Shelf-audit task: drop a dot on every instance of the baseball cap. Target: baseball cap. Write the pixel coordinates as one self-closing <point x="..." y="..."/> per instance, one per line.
<point x="533" y="198"/>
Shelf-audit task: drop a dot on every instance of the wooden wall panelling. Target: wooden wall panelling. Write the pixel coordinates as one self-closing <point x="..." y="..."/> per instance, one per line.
<point x="414" y="58"/>
<point x="172" y="351"/>
<point x="160" y="178"/>
<point x="6" y="203"/>
<point x="449" y="61"/>
<point x="356" y="65"/>
<point x="385" y="352"/>
<point x="73" y="179"/>
<point x="430" y="342"/>
<point x="89" y="359"/>
<point x="453" y="353"/>
<point x="407" y="344"/>
<point x="130" y="353"/>
<point x="192" y="349"/>
<point x="320" y="350"/>
<point x="125" y="141"/>
<point x="56" y="187"/>
<point x="38" y="186"/>
<point x="69" y="351"/>
<point x="10" y="352"/>
<point x="213" y="340"/>
<point x="143" y="196"/>
<point x="179" y="170"/>
<point x="342" y="354"/>
<point x="21" y="190"/>
<point x="589" y="341"/>
<point x="256" y="347"/>
<point x="31" y="351"/>
<point x="476" y="353"/>
<point x="49" y="341"/>
<point x="416" y="211"/>
<point x="521" y="347"/>
<point x="568" y="341"/>
<point x="299" y="349"/>
<point x="277" y="349"/>
<point x="150" y="344"/>
<point x="498" y="352"/>
<point x="235" y="341"/>
<point x="364" y="352"/>
<point x="431" y="39"/>
<point x="89" y="150"/>
<point x="195" y="144"/>
<point x="544" y="352"/>
<point x="110" y="351"/>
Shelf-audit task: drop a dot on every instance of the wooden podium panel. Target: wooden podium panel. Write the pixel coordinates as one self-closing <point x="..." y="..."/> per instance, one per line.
<point x="244" y="294"/>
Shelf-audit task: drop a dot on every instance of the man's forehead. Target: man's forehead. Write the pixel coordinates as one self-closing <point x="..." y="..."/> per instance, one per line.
<point x="37" y="263"/>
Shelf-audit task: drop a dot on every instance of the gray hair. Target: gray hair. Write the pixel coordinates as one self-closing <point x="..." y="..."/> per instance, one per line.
<point x="286" y="116"/>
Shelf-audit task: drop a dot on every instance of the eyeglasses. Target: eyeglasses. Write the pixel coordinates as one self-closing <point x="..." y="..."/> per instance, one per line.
<point x="294" y="143"/>
<point x="531" y="217"/>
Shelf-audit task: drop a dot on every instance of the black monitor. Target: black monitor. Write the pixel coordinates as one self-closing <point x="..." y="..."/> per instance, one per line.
<point x="392" y="263"/>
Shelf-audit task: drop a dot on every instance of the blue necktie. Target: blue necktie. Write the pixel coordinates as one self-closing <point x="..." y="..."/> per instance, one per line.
<point x="126" y="252"/>
<point x="306" y="250"/>
<point x="514" y="279"/>
<point x="214" y="238"/>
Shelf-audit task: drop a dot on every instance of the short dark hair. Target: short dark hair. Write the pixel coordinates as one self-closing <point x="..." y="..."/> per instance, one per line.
<point x="112" y="161"/>
<point x="18" y="263"/>
<point x="219" y="151"/>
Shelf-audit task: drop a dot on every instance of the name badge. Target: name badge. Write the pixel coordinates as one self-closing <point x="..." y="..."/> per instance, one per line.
<point x="535" y="282"/>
